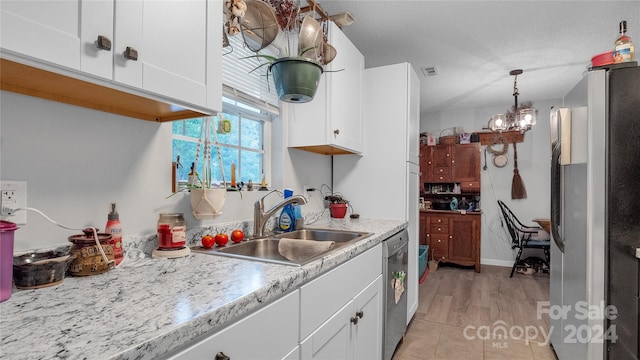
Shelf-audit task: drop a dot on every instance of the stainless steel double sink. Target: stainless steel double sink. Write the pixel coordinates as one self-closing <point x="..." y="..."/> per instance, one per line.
<point x="266" y="248"/>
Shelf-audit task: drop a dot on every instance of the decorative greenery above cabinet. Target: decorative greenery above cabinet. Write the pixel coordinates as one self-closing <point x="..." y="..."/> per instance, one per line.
<point x="151" y="60"/>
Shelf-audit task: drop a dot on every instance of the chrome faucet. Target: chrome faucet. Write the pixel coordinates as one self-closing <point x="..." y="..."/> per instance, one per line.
<point x="260" y="216"/>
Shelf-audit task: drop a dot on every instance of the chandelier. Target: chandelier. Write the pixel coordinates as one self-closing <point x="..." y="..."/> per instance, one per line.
<point x="520" y="118"/>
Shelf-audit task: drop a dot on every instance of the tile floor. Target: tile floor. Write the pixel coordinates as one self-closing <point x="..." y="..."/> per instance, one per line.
<point x="462" y="315"/>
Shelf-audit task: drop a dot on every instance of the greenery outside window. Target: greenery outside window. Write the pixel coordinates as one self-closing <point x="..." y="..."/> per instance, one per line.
<point x="243" y="146"/>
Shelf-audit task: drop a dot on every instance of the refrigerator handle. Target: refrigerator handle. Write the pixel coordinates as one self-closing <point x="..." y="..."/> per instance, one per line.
<point x="555" y="196"/>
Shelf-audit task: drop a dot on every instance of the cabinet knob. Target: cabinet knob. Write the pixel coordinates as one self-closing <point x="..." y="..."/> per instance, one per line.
<point x="222" y="356"/>
<point x="131" y="54"/>
<point x="453" y="161"/>
<point x="336" y="132"/>
<point x="441" y="170"/>
<point x="439" y="229"/>
<point x="103" y="43"/>
<point x="354" y="320"/>
<point x="439" y="240"/>
<point x="450" y="236"/>
<point x="429" y="163"/>
<point x="360" y="314"/>
<point x="439" y="220"/>
<point x="440" y="177"/>
<point x="447" y="155"/>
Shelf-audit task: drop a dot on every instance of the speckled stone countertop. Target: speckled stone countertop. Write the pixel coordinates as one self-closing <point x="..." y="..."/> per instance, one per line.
<point x="147" y="306"/>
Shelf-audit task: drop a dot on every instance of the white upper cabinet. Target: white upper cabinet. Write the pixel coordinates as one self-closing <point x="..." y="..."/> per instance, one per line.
<point x="175" y="38"/>
<point x="168" y="51"/>
<point x="332" y="122"/>
<point x="44" y="30"/>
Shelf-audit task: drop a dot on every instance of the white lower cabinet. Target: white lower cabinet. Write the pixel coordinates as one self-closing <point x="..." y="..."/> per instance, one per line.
<point x="335" y="316"/>
<point x="269" y="333"/>
<point x="342" y="311"/>
<point x="354" y="332"/>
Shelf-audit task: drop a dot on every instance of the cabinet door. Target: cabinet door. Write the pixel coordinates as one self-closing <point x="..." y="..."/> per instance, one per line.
<point x="96" y="20"/>
<point x="272" y="333"/>
<point x="462" y="242"/>
<point x="345" y="89"/>
<point x="128" y="29"/>
<point x="367" y="333"/>
<point x="465" y="163"/>
<point x="440" y="163"/>
<point x="176" y="36"/>
<point x="423" y="229"/>
<point x="44" y="30"/>
<point x="331" y="123"/>
<point x="332" y="339"/>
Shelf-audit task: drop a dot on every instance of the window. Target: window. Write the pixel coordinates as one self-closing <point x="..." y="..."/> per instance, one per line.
<point x="248" y="104"/>
<point x="242" y="146"/>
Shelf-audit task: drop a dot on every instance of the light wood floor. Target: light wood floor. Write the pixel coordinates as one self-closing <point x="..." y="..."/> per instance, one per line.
<point x="462" y="315"/>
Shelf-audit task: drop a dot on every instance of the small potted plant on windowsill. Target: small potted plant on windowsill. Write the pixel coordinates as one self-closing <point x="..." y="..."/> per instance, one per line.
<point x="302" y="45"/>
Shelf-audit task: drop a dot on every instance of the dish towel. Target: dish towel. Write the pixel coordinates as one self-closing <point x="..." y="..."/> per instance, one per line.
<point x="298" y="250"/>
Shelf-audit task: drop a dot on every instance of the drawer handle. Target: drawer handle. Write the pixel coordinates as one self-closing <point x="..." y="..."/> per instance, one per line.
<point x="360" y="314"/>
<point x="103" y="43"/>
<point x="354" y="320"/>
<point x="131" y="54"/>
<point x="222" y="356"/>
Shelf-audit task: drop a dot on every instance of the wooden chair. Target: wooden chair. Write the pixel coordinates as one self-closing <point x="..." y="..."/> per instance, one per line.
<point x="521" y="236"/>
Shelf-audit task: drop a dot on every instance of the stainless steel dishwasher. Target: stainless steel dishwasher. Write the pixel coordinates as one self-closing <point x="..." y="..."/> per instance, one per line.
<point x="395" y="254"/>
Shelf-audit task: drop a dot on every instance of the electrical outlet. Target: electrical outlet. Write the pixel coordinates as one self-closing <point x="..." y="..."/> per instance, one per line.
<point x="14" y="195"/>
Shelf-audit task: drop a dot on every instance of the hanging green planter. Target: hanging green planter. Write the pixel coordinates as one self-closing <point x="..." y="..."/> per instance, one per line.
<point x="296" y="78"/>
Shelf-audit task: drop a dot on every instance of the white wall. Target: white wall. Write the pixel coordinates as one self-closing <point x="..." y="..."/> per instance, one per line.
<point x="533" y="165"/>
<point x="76" y="161"/>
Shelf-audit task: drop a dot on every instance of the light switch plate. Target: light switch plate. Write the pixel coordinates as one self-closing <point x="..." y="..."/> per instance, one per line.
<point x="13" y="195"/>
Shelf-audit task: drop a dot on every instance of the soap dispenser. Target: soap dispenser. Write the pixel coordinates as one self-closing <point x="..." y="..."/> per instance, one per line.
<point x="286" y="221"/>
<point x="114" y="228"/>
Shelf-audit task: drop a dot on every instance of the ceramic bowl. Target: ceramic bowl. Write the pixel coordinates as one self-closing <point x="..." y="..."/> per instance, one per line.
<point x="40" y="269"/>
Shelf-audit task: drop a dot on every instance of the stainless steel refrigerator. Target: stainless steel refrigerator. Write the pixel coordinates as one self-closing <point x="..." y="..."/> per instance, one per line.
<point x="595" y="218"/>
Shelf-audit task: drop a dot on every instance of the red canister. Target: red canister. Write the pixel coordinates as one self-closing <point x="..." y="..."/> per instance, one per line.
<point x="171" y="231"/>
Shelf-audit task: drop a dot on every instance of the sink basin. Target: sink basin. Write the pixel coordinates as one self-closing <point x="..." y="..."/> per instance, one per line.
<point x="339" y="236"/>
<point x="266" y="248"/>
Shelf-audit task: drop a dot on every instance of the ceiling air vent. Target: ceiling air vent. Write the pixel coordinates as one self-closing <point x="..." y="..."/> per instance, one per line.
<point x="429" y="71"/>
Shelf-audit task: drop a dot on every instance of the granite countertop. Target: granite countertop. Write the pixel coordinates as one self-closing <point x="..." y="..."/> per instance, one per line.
<point x="148" y="306"/>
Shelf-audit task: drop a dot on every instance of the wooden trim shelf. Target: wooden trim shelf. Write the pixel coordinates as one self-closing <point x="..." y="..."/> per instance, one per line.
<point x="510" y="136"/>
<point x="33" y="81"/>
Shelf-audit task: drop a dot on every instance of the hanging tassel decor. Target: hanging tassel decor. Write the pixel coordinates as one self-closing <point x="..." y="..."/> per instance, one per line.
<point x="517" y="186"/>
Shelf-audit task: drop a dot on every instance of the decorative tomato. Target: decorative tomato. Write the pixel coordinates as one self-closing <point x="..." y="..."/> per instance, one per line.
<point x="208" y="241"/>
<point x="237" y="235"/>
<point x="222" y="239"/>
